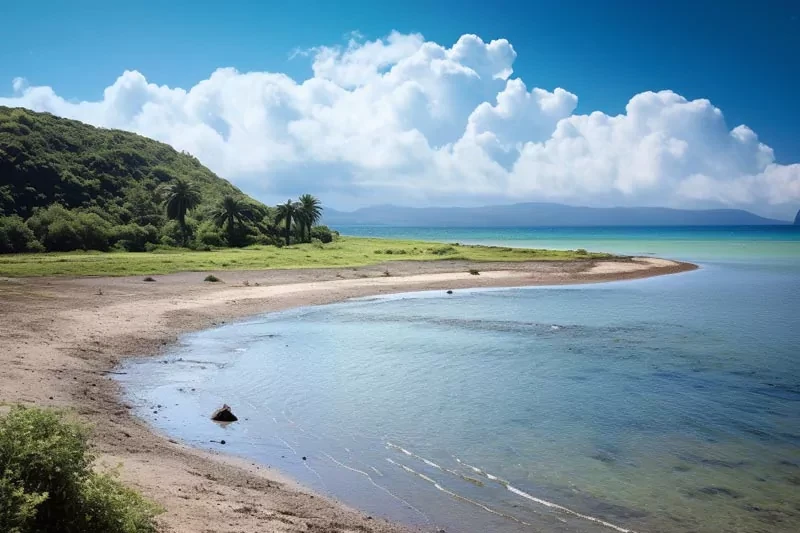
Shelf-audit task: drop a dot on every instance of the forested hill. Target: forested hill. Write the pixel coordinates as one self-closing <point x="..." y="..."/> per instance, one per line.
<point x="46" y="159"/>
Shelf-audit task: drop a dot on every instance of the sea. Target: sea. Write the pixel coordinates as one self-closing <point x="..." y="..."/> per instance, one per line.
<point x="668" y="404"/>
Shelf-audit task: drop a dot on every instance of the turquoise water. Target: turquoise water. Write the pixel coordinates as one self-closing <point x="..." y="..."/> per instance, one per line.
<point x="668" y="404"/>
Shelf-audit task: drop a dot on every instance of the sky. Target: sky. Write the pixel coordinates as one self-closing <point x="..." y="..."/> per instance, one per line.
<point x="681" y="104"/>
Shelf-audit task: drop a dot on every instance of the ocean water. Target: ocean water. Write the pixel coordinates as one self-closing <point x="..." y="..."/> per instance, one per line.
<point x="669" y="404"/>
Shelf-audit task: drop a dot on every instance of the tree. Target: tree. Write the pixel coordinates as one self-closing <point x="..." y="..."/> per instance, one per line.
<point x="231" y="211"/>
<point x="287" y="213"/>
<point x="180" y="197"/>
<point x="309" y="211"/>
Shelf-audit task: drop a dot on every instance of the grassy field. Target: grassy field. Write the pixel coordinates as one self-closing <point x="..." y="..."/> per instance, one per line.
<point x="344" y="252"/>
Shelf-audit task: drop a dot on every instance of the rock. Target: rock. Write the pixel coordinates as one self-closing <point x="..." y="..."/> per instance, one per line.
<point x="222" y="441"/>
<point x="449" y="291"/>
<point x="224" y="414"/>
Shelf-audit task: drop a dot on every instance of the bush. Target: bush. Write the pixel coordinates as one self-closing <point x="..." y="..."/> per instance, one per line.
<point x="323" y="233"/>
<point x="474" y="271"/>
<point x="47" y="483"/>
<point x="209" y="235"/>
<point x="63" y="230"/>
<point x="133" y="238"/>
<point x="442" y="250"/>
<point x="211" y="278"/>
<point x="16" y="237"/>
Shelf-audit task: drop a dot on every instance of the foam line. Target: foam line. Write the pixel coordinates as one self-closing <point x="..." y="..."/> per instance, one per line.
<point x="545" y="503"/>
<point x="384" y="489"/>
<point x="456" y="495"/>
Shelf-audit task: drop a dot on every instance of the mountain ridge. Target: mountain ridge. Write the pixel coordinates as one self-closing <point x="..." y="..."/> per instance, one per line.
<point x="532" y="214"/>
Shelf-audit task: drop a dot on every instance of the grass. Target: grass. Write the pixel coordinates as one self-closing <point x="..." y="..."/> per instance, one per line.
<point x="344" y="252"/>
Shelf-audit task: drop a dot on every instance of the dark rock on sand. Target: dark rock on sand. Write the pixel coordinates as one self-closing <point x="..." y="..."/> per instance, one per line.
<point x="449" y="292"/>
<point x="224" y="414"/>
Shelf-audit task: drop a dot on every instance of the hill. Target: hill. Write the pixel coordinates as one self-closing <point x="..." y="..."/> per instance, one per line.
<point x="66" y="185"/>
<point x="45" y="159"/>
<point x="543" y="214"/>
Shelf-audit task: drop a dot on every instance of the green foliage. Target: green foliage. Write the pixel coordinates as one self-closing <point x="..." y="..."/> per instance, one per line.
<point x="60" y="229"/>
<point x="133" y="238"/>
<point x="62" y="177"/>
<point x="16" y="237"/>
<point x="180" y="197"/>
<point x="237" y="216"/>
<point x="309" y="211"/>
<point x="208" y="234"/>
<point x="48" y="484"/>
<point x="288" y="214"/>
<point x="343" y="252"/>
<point x="46" y="159"/>
<point x="323" y="233"/>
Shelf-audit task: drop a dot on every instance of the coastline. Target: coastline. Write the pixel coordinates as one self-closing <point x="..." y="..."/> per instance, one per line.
<point x="63" y="338"/>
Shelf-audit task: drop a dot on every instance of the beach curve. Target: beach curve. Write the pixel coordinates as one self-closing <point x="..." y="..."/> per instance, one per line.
<point x="65" y="336"/>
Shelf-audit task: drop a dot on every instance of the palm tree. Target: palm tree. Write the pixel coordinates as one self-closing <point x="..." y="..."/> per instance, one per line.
<point x="180" y="197"/>
<point x="310" y="213"/>
<point x="288" y="213"/>
<point x="231" y="211"/>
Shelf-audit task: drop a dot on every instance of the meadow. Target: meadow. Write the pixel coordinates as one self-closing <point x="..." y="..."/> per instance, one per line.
<point x="343" y="252"/>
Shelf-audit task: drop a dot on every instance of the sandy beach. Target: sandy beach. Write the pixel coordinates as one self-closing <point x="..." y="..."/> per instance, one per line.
<point x="62" y="339"/>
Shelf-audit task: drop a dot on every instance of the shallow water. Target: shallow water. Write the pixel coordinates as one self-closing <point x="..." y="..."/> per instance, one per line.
<point x="668" y="404"/>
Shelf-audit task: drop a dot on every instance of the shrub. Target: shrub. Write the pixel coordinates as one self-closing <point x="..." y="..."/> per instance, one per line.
<point x="47" y="482"/>
<point x="149" y="279"/>
<point x="62" y="230"/>
<point x="581" y="251"/>
<point x="211" y="278"/>
<point x="442" y="250"/>
<point x="133" y="238"/>
<point x="209" y="235"/>
<point x="15" y="236"/>
<point x="323" y="233"/>
<point x="474" y="271"/>
<point x="93" y="231"/>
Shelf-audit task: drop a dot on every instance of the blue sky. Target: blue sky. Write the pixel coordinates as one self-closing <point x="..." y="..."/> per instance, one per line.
<point x="742" y="56"/>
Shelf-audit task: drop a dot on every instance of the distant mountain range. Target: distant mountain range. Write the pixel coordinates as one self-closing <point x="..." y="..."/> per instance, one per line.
<point x="543" y="214"/>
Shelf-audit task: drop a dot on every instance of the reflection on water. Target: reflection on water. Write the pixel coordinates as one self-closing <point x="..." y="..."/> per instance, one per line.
<point x="670" y="404"/>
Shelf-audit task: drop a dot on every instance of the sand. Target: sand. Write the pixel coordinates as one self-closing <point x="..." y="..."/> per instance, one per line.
<point x="62" y="338"/>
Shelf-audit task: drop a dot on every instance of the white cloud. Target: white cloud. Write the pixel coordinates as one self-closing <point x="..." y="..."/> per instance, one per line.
<point x="402" y="119"/>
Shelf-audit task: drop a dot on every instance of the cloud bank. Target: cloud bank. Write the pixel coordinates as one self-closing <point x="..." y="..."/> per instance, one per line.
<point x="406" y="120"/>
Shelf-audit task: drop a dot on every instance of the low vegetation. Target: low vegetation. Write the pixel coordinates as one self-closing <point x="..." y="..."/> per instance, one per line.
<point x="342" y="252"/>
<point x="48" y="482"/>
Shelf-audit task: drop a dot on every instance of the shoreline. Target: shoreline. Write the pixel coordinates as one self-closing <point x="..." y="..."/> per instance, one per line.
<point x="64" y="338"/>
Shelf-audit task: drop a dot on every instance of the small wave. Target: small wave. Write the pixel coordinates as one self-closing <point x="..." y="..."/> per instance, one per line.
<point x="415" y="456"/>
<point x="287" y="445"/>
<point x="384" y="489"/>
<point x="455" y="495"/>
<point x="545" y="503"/>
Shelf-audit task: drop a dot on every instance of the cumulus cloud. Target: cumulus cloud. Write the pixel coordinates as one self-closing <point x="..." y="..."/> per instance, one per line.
<point x="403" y="119"/>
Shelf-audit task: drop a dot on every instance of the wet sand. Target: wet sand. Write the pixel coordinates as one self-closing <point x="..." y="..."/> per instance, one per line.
<point x="62" y="339"/>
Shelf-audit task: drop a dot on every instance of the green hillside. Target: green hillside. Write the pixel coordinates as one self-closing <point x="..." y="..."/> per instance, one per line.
<point x="66" y="185"/>
<point x="46" y="159"/>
